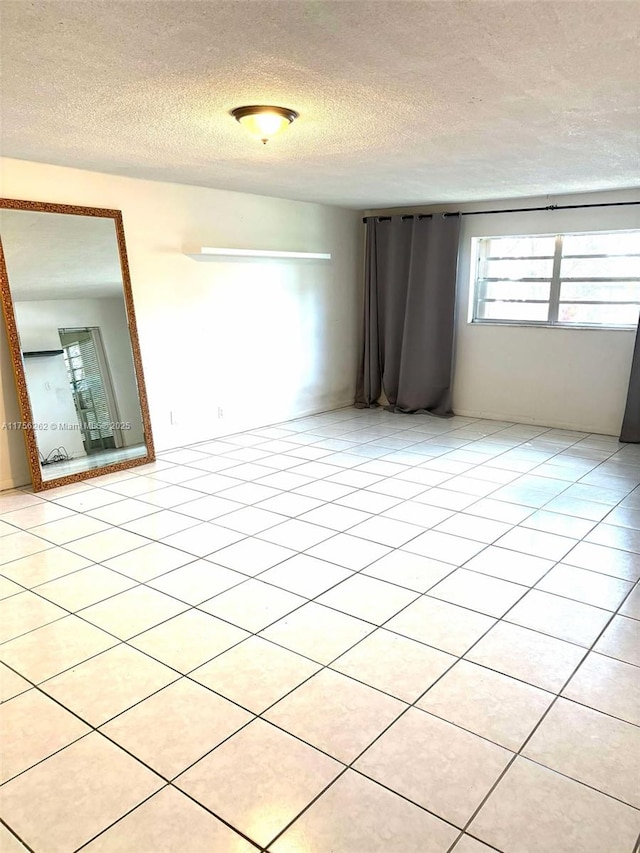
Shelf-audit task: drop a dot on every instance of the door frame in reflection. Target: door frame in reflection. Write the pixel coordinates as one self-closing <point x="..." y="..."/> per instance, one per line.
<point x="39" y="483"/>
<point x="104" y="375"/>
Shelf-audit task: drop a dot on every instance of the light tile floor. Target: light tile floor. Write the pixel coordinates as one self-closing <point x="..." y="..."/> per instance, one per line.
<point x="350" y="633"/>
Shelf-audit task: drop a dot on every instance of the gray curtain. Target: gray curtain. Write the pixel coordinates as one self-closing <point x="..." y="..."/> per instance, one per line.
<point x="410" y="291"/>
<point x="631" y="422"/>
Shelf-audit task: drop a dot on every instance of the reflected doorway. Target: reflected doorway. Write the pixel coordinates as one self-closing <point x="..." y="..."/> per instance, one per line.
<point x="91" y="388"/>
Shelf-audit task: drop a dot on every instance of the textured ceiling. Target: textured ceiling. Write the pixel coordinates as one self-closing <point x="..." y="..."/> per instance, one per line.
<point x="60" y="256"/>
<point x="400" y="102"/>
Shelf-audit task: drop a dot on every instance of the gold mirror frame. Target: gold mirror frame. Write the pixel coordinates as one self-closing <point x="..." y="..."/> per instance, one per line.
<point x="16" y="353"/>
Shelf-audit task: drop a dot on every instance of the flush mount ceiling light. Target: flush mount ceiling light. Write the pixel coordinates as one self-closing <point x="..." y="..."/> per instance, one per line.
<point x="264" y="122"/>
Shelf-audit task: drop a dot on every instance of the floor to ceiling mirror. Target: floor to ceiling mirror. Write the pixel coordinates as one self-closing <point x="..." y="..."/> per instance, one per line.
<point x="71" y="324"/>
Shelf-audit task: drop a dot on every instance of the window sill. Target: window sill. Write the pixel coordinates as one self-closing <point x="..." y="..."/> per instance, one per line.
<point x="563" y="327"/>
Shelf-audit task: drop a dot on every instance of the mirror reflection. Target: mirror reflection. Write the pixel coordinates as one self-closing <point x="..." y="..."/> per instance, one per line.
<point x="66" y="285"/>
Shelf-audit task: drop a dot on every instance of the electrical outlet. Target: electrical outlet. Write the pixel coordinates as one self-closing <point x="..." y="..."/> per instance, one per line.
<point x="220" y="412"/>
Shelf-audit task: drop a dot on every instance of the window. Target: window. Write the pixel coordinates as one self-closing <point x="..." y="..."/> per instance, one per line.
<point x="562" y="280"/>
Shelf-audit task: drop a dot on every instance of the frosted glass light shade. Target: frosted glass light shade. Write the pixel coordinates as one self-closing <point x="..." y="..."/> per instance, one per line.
<point x="264" y="122"/>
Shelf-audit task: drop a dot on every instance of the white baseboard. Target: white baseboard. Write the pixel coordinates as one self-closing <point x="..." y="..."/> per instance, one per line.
<point x="11" y="483"/>
<point x="549" y="423"/>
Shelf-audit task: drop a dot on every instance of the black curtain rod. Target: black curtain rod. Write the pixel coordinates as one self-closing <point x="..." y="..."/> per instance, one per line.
<point x="509" y="210"/>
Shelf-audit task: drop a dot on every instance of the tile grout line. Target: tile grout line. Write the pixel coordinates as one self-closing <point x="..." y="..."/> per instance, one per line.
<point x="519" y="753"/>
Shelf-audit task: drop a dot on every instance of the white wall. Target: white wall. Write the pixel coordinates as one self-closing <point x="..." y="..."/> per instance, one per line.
<point x="568" y="378"/>
<point x="52" y="404"/>
<point x="38" y="324"/>
<point x="262" y="341"/>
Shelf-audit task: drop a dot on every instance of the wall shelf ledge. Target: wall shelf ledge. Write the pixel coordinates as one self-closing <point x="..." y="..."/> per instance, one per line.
<point x="209" y="253"/>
